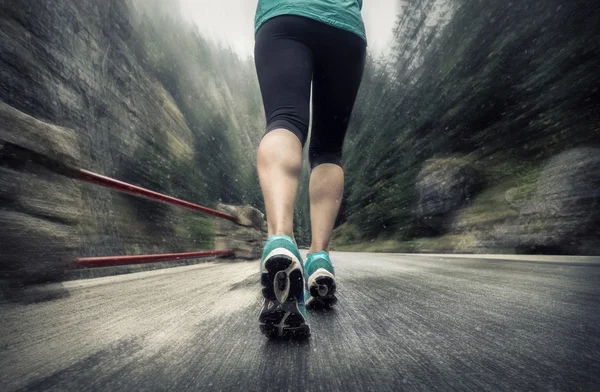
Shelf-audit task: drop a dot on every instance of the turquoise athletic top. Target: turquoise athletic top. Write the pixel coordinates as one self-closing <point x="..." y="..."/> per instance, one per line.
<point x="344" y="14"/>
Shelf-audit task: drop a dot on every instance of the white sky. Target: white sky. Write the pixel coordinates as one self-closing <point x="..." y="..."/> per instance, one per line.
<point x="232" y="22"/>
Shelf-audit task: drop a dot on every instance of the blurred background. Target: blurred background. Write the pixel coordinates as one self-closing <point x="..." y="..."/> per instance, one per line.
<point x="476" y="130"/>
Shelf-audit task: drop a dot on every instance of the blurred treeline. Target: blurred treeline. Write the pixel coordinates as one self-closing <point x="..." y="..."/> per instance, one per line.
<point x="494" y="88"/>
<point x="218" y="96"/>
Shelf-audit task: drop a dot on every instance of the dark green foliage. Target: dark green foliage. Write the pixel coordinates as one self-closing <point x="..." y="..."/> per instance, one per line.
<point x="198" y="230"/>
<point x="507" y="84"/>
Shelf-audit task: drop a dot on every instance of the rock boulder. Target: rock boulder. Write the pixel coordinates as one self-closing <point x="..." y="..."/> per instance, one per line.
<point x="563" y="216"/>
<point x="246" y="236"/>
<point x="444" y="186"/>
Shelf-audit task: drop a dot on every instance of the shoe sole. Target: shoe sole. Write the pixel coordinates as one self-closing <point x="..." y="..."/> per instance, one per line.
<point x="283" y="284"/>
<point x="322" y="288"/>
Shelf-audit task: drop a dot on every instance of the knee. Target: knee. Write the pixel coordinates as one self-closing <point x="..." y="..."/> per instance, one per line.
<point x="316" y="158"/>
<point x="296" y="125"/>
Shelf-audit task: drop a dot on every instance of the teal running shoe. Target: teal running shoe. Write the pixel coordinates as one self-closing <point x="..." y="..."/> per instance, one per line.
<point x="282" y="277"/>
<point x="320" y="278"/>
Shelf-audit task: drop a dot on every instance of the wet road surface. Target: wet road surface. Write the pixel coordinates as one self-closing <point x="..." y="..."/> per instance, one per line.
<point x="403" y="322"/>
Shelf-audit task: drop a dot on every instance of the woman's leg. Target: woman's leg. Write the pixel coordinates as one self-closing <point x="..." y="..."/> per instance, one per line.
<point x="284" y="65"/>
<point x="279" y="164"/>
<point x="325" y="190"/>
<point x="338" y="72"/>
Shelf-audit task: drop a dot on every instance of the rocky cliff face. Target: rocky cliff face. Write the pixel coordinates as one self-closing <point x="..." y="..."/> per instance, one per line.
<point x="41" y="209"/>
<point x="70" y="64"/>
<point x="74" y="66"/>
<point x="559" y="215"/>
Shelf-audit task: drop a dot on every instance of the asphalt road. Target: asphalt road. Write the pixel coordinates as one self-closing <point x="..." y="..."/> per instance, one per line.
<point x="403" y="322"/>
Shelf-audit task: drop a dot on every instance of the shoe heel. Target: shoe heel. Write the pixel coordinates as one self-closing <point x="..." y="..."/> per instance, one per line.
<point x="282" y="277"/>
<point x="283" y="320"/>
<point x="322" y="287"/>
<point x="283" y="289"/>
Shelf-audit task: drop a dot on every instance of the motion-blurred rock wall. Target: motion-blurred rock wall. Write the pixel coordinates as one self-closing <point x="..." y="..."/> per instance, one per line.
<point x="70" y="64"/>
<point x="71" y="87"/>
<point x="41" y="209"/>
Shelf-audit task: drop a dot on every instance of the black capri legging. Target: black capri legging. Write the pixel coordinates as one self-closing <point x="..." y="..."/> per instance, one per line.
<point x="290" y="52"/>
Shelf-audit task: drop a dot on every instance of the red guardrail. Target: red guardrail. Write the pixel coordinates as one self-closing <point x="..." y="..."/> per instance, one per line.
<point x="139" y="259"/>
<point x="107" y="182"/>
<point x="13" y="153"/>
<point x="111" y="183"/>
